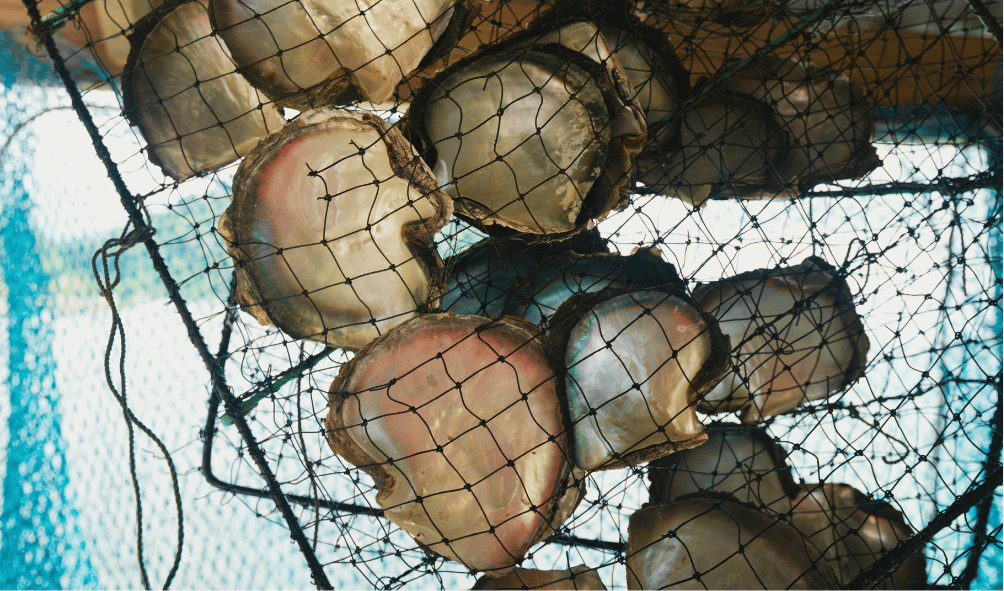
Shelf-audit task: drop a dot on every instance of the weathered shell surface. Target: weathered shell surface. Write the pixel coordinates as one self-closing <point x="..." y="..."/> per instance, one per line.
<point x="523" y="136"/>
<point x="458" y="421"/>
<point x="824" y="113"/>
<point x="636" y="364"/>
<point x="852" y="532"/>
<point x="736" y="460"/>
<point x="302" y="50"/>
<point x="331" y="227"/>
<point x="183" y="92"/>
<point x="731" y="546"/>
<point x="579" y="577"/>
<point x="725" y="139"/>
<point x="795" y="336"/>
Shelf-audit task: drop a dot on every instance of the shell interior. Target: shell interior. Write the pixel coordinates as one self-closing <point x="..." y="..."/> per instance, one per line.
<point x="520" y="135"/>
<point x="286" y="47"/>
<point x="702" y="550"/>
<point x="327" y="225"/>
<point x="632" y="381"/>
<point x="579" y="577"/>
<point x="458" y="420"/>
<point x="853" y="532"/>
<point x="183" y="92"/>
<point x="796" y="338"/>
<point x="746" y="465"/>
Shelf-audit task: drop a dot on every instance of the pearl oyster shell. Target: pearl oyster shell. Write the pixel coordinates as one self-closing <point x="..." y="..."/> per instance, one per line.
<point x="481" y="279"/>
<point x="713" y="543"/>
<point x="457" y="420"/>
<point x="530" y="136"/>
<point x="736" y="460"/>
<point x="636" y="362"/>
<point x="796" y="338"/>
<point x="853" y="531"/>
<point x="316" y="53"/>
<point x="579" y="577"/>
<point x="181" y="89"/>
<point x="538" y="295"/>
<point x="726" y="140"/>
<point x="823" y="112"/>
<point x="331" y="229"/>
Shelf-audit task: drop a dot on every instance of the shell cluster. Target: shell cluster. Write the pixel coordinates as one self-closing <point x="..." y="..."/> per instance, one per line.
<point x="485" y="389"/>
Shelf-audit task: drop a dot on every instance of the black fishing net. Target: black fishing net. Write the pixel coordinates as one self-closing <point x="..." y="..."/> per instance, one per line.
<point x="635" y="294"/>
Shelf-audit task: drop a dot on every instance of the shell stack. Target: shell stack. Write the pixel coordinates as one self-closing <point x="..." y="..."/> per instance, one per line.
<point x="486" y="388"/>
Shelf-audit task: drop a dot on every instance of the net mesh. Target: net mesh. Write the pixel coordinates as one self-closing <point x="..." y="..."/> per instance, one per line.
<point x="777" y="228"/>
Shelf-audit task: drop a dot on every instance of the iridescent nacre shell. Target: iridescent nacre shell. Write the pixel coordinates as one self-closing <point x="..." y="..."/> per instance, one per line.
<point x="531" y="136"/>
<point x="457" y="420"/>
<point x="853" y="531"/>
<point x="740" y="461"/>
<point x="579" y="577"/>
<point x="795" y="334"/>
<point x="310" y="53"/>
<point x="713" y="543"/>
<point x="824" y="113"/>
<point x="331" y="229"/>
<point x="636" y="363"/>
<point x="181" y="89"/>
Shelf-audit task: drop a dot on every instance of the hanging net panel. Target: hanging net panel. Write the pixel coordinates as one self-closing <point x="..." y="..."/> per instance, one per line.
<point x="503" y="294"/>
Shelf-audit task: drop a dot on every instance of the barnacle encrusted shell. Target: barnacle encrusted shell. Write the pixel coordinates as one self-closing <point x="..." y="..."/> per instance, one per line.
<point x="824" y="113"/>
<point x="531" y="136"/>
<point x="457" y="420"/>
<point x="714" y="543"/>
<point x="331" y="229"/>
<point x="636" y="362"/>
<point x="725" y="139"/>
<point x="314" y="53"/>
<point x="853" y="531"/>
<point x="737" y="460"/>
<point x="181" y="89"/>
<point x="579" y="577"/>
<point x="795" y="334"/>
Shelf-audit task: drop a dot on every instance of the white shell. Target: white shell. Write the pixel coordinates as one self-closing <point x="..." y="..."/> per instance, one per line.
<point x="184" y="93"/>
<point x="323" y="226"/>
<point x="286" y="47"/>
<point x="746" y="465"/>
<point x="795" y="336"/>
<point x="695" y="544"/>
<point x="579" y="577"/>
<point x="632" y="362"/>
<point x="853" y="532"/>
<point x="458" y="420"/>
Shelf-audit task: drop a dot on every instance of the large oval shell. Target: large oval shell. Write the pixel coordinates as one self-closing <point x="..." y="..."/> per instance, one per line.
<point x="317" y="53"/>
<point x="853" y="531"/>
<point x="331" y="229"/>
<point x="530" y="136"/>
<point x="823" y="112"/>
<point x="712" y="543"/>
<point x="636" y="362"/>
<point x="796" y="338"/>
<point x="579" y="577"/>
<point x="458" y="421"/>
<point x="182" y="90"/>
<point x="736" y="460"/>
